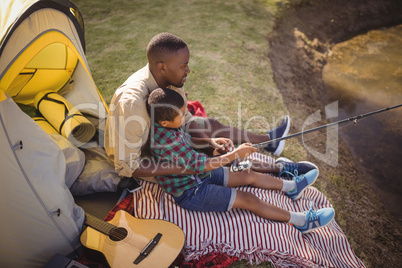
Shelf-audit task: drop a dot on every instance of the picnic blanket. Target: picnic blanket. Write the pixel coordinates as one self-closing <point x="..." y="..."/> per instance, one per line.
<point x="243" y="235"/>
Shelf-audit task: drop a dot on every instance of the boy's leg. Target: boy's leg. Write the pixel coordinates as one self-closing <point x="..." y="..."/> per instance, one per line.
<point x="255" y="179"/>
<point x="249" y="201"/>
<point x="305" y="222"/>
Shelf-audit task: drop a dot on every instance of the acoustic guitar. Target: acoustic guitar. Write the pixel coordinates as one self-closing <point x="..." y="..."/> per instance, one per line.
<point x="130" y="242"/>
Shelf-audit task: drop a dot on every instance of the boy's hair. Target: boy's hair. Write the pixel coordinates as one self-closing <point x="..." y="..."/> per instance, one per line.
<point x="164" y="104"/>
<point x="163" y="44"/>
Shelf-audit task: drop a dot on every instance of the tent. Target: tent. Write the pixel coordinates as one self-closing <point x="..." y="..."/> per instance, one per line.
<point x="42" y="49"/>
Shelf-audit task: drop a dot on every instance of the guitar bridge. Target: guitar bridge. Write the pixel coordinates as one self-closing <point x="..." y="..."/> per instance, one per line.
<point x="148" y="248"/>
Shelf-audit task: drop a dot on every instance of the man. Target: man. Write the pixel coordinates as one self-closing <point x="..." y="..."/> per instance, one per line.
<point x="128" y="123"/>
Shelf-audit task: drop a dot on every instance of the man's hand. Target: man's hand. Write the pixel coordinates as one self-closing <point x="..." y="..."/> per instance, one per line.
<point x="245" y="150"/>
<point x="221" y="145"/>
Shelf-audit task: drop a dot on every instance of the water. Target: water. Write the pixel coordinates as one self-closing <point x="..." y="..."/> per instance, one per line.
<point x="365" y="74"/>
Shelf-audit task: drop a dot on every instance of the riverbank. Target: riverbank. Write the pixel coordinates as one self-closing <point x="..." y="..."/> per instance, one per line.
<point x="299" y="46"/>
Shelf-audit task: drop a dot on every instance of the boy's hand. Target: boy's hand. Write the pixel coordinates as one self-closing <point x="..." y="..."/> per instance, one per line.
<point x="245" y="150"/>
<point x="222" y="145"/>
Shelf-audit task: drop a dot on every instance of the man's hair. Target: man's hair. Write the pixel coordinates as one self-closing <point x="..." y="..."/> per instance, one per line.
<point x="164" y="104"/>
<point x="163" y="44"/>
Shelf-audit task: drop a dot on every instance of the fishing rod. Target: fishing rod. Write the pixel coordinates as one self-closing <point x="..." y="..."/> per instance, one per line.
<point x="350" y="119"/>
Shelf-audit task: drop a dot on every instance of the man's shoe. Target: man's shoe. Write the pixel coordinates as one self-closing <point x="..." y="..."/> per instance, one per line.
<point x="302" y="182"/>
<point x="278" y="132"/>
<point x="290" y="167"/>
<point x="316" y="219"/>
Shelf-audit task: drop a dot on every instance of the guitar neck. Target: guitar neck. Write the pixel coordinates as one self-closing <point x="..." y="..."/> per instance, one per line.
<point x="98" y="224"/>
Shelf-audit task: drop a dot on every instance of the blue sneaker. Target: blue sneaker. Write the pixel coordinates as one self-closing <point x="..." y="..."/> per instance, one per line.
<point x="302" y="182"/>
<point x="316" y="219"/>
<point x="278" y="132"/>
<point x="290" y="167"/>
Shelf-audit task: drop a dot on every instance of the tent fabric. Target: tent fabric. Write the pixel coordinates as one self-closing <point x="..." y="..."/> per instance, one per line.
<point x="44" y="27"/>
<point x="98" y="174"/>
<point x="39" y="213"/>
<point x="64" y="117"/>
<point x="75" y="158"/>
<point x="12" y="13"/>
<point x="88" y="170"/>
<point x="42" y="48"/>
<point x="52" y="25"/>
<point x="32" y="32"/>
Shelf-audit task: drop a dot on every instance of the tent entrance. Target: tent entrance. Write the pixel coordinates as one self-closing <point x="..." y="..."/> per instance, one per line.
<point x="50" y="69"/>
<point x="43" y="65"/>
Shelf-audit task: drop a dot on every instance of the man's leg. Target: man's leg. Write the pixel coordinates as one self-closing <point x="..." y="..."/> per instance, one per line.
<point x="255" y="179"/>
<point x="292" y="188"/>
<point x="214" y="129"/>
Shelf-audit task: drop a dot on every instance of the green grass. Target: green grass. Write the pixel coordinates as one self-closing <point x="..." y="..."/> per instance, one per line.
<point x="228" y="42"/>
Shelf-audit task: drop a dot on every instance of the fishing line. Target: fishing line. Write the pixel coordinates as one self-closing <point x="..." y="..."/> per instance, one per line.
<point x="293" y="143"/>
<point x="353" y="119"/>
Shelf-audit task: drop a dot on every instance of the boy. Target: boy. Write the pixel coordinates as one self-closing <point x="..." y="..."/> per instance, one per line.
<point x="212" y="188"/>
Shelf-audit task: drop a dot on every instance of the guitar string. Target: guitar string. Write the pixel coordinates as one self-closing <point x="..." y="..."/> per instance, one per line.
<point x="137" y="245"/>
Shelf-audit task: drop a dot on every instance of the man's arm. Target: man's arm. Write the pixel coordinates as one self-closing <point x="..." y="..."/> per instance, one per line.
<point x="221" y="145"/>
<point x="196" y="131"/>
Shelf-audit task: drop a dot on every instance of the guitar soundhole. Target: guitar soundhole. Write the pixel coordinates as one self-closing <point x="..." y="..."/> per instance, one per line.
<point x="118" y="234"/>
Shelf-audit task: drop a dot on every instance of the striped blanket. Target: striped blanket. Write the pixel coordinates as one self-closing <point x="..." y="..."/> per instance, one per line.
<point x="244" y="235"/>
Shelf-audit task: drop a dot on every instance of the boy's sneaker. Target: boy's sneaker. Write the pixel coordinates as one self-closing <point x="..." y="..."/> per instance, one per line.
<point x="290" y="167"/>
<point x="316" y="219"/>
<point x="302" y="182"/>
<point x="278" y="132"/>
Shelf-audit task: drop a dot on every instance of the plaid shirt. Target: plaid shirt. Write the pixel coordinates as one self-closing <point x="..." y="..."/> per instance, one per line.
<point x="173" y="145"/>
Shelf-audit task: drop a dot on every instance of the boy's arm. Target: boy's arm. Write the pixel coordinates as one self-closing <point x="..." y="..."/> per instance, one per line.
<point x="173" y="155"/>
<point x="149" y="168"/>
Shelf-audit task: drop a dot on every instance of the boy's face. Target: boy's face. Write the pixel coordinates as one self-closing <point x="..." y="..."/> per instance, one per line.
<point x="177" y="122"/>
<point x="176" y="68"/>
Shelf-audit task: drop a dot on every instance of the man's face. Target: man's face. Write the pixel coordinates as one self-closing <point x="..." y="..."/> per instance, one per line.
<point x="176" y="68"/>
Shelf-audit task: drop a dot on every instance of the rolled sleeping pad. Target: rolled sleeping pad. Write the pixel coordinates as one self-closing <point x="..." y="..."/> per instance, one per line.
<point x="45" y="125"/>
<point x="64" y="117"/>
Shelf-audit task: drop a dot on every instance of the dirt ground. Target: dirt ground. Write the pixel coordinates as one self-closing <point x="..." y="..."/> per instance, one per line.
<point x="298" y="49"/>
